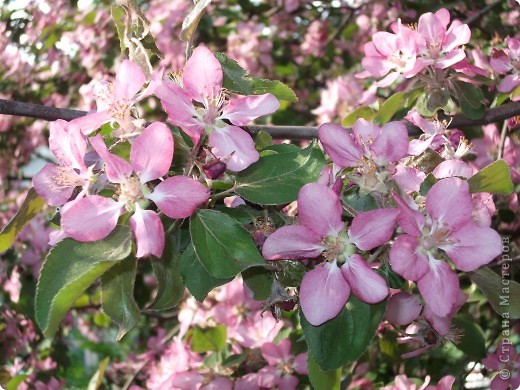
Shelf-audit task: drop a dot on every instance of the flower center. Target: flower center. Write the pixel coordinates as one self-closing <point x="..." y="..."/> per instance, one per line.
<point x="338" y="248"/>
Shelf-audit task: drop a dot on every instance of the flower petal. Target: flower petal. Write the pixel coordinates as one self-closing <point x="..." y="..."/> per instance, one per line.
<point x="152" y="152"/>
<point x="68" y="144"/>
<point x="235" y="142"/>
<point x="118" y="170"/>
<point x="46" y="184"/>
<point x="403" y="308"/>
<point x="339" y="145"/>
<point x="202" y="76"/>
<point x="276" y="353"/>
<point x="320" y="210"/>
<point x="292" y="242"/>
<point x="129" y="80"/>
<point x="91" y="218"/>
<point x="91" y="121"/>
<point x="372" y="228"/>
<point x="439" y="287"/>
<point x="391" y="144"/>
<point x="323" y="293"/>
<point x="179" y="196"/>
<point x="366" y="284"/>
<point x="243" y="110"/>
<point x="405" y="259"/>
<point x="449" y="202"/>
<point x="473" y="246"/>
<point x="148" y="231"/>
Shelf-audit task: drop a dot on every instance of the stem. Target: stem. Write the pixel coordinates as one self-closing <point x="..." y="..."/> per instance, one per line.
<point x="502" y="143"/>
<point x="193" y="156"/>
<point x="492" y="115"/>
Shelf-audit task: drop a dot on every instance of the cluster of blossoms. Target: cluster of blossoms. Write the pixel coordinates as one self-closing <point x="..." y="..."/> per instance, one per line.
<point x="88" y="216"/>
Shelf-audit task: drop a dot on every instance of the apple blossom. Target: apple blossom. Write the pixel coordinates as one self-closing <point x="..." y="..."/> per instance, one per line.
<point x="202" y="82"/>
<point x="325" y="289"/>
<point x="94" y="217"/>
<point x="447" y="226"/>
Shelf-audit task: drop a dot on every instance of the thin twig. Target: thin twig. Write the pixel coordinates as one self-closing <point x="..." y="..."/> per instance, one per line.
<point x="476" y="16"/>
<point x="502" y="143"/>
<point x="493" y="115"/>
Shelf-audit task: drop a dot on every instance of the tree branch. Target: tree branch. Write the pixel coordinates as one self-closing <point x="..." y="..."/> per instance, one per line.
<point x="497" y="114"/>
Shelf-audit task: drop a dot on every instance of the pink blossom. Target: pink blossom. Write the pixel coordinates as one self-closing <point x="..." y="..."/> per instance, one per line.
<point x="441" y="45"/>
<point x="507" y="61"/>
<point x="389" y="55"/>
<point x="371" y="149"/>
<point x="403" y="308"/>
<point x="56" y="183"/>
<point x="321" y="230"/>
<point x="447" y="226"/>
<point x="94" y="217"/>
<point x="202" y="83"/>
<point x="115" y="101"/>
<point x="504" y="360"/>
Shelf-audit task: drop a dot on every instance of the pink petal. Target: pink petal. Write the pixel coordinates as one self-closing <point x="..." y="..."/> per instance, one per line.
<point x="91" y="218"/>
<point x="91" y="121"/>
<point x="473" y="246"/>
<point x="452" y="168"/>
<point x="509" y="83"/>
<point x="457" y="35"/>
<point x="439" y="287"/>
<point x="385" y="43"/>
<point x="47" y="184"/>
<point x="406" y="260"/>
<point x="403" y="308"/>
<point x="443" y="324"/>
<point x="179" y="196"/>
<point x="411" y="221"/>
<point x="248" y="382"/>
<point x="339" y="145"/>
<point x="287" y="382"/>
<point x="300" y="364"/>
<point x="68" y="144"/>
<point x="417" y="146"/>
<point x="391" y="144"/>
<point x="243" y="110"/>
<point x="118" y="170"/>
<point x="409" y="179"/>
<point x="388" y="80"/>
<point x="152" y="152"/>
<point x="449" y="203"/>
<point x="451" y="58"/>
<point x="323" y="293"/>
<point x="372" y="228"/>
<point x="235" y="142"/>
<point x="148" y="231"/>
<point x="443" y="17"/>
<point x="202" y="77"/>
<point x="366" y="284"/>
<point x="319" y="208"/>
<point x="500" y="62"/>
<point x="365" y="132"/>
<point x="276" y="353"/>
<point x="292" y="242"/>
<point x="129" y="80"/>
<point x="430" y="28"/>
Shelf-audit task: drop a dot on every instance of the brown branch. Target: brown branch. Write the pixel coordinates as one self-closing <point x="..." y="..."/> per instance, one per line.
<point x="475" y="17"/>
<point x="492" y="115"/>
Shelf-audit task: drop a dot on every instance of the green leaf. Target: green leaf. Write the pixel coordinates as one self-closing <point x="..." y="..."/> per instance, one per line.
<point x="344" y="338"/>
<point x="15" y="382"/>
<point x="275" y="87"/>
<point x="472" y="342"/>
<point x="437" y="99"/>
<point x="70" y="268"/>
<point x="117" y="295"/>
<point x="198" y="281"/>
<point x="390" y="106"/>
<point x="31" y="206"/>
<point x="427" y="184"/>
<point x="118" y="15"/>
<point x="259" y="281"/>
<point x="97" y="379"/>
<point x="501" y="292"/>
<point x="277" y="179"/>
<point x="208" y="339"/>
<point x="394" y="280"/>
<point x="495" y="178"/>
<point x="470" y="98"/>
<point x="222" y="244"/>
<point x="236" y="78"/>
<point x="242" y="213"/>
<point x="364" y="112"/>
<point x="263" y="139"/>
<point x="322" y="379"/>
<point x="170" y="287"/>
